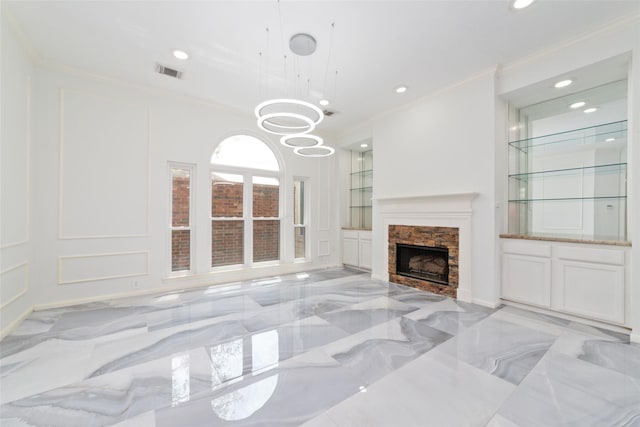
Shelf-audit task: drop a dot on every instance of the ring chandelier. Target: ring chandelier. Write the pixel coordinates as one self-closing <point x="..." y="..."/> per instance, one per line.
<point x="288" y="108"/>
<point x="301" y="140"/>
<point x="314" y="151"/>
<point x="295" y="119"/>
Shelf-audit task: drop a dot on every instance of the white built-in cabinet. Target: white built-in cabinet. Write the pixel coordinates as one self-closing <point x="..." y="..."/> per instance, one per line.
<point x="586" y="280"/>
<point x="356" y="248"/>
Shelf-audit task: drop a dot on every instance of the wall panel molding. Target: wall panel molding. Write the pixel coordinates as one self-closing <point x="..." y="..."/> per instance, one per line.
<point x="104" y="266"/>
<point x="6" y="300"/>
<point x="93" y="174"/>
<point x="27" y="170"/>
<point x="324" y="248"/>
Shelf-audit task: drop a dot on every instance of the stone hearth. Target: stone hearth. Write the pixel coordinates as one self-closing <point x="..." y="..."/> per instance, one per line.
<point x="440" y="237"/>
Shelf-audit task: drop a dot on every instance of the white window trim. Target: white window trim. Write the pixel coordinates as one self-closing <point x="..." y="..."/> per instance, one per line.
<point x="305" y="221"/>
<point x="191" y="167"/>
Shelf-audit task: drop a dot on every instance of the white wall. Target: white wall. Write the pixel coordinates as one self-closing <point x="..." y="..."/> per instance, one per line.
<point x="101" y="188"/>
<point x="16" y="268"/>
<point x="444" y="144"/>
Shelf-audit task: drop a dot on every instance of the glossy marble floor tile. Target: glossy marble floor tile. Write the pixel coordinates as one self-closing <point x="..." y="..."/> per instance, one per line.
<point x="330" y="348"/>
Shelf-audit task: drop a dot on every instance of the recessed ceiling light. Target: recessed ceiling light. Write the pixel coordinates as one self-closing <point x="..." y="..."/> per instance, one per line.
<point x="563" y="83"/>
<point x="521" y="4"/>
<point x="401" y="89"/>
<point x="577" y="104"/>
<point x="364" y="145"/>
<point x="610" y="139"/>
<point x="324" y="102"/>
<point x="180" y="54"/>
<point x="590" y="110"/>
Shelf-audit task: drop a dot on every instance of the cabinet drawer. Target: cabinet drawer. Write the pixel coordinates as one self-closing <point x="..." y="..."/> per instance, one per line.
<point x="526" y="247"/>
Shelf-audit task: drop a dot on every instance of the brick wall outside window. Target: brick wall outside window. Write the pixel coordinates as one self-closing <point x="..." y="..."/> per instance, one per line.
<point x="266" y="202"/>
<point x="266" y="240"/>
<point x="227" y="242"/>
<point x="226" y="199"/>
<point x="180" y="250"/>
<point x="227" y="237"/>
<point x="180" y="239"/>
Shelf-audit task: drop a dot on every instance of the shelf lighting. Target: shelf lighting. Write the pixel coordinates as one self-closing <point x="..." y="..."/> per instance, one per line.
<point x="401" y="89"/>
<point x="577" y="104"/>
<point x="364" y="145"/>
<point x="591" y="110"/>
<point x="609" y="139"/>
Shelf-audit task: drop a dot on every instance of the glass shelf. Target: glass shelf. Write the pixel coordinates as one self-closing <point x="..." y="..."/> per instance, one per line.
<point x="613" y="168"/>
<point x="572" y="183"/>
<point x="361" y="189"/>
<point x="560" y="199"/>
<point x="605" y="133"/>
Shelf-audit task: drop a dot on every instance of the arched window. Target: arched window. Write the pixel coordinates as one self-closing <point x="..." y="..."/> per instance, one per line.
<point x="245" y="202"/>
<point x="246" y="152"/>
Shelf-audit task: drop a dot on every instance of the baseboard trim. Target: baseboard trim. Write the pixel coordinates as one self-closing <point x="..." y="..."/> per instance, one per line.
<point x="490" y="304"/>
<point x="465" y="295"/>
<point x="574" y="318"/>
<point x="13" y="325"/>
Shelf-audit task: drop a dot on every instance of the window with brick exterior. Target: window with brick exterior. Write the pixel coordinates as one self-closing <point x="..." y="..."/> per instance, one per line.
<point x="227" y="219"/>
<point x="266" y="219"/>
<point x="181" y="218"/>
<point x="245" y="202"/>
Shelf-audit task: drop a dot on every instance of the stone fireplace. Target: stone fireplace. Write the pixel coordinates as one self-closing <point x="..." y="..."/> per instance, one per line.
<point x="438" y="220"/>
<point x="424" y="257"/>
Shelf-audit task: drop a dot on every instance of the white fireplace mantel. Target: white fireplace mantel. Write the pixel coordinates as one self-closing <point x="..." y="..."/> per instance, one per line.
<point x="454" y="203"/>
<point x="434" y="210"/>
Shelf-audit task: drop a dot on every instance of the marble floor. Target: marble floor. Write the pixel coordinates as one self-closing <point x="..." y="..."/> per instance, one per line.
<point x="330" y="348"/>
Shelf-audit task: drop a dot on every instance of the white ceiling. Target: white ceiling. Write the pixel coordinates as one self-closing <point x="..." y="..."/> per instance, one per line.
<point x="374" y="45"/>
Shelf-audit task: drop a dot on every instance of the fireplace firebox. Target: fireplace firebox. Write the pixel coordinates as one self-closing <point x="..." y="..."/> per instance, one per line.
<point x="423" y="262"/>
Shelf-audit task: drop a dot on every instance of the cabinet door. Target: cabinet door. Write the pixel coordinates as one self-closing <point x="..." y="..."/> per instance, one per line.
<point x="526" y="279"/>
<point x="365" y="254"/>
<point x="589" y="289"/>
<point x="350" y="251"/>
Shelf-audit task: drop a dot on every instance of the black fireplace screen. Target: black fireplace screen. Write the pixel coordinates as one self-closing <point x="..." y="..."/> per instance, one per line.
<point x="423" y="262"/>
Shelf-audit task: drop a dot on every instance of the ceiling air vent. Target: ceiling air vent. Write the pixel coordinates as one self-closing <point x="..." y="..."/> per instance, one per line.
<point x="328" y="113"/>
<point x="162" y="69"/>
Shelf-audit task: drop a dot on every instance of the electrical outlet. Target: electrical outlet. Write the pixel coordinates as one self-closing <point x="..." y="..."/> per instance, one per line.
<point x="135" y="284"/>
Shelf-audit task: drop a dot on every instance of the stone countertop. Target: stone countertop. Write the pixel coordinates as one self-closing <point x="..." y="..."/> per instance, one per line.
<point x="566" y="240"/>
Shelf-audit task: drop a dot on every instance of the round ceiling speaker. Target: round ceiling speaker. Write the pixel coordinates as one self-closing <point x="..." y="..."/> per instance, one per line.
<point x="302" y="44"/>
